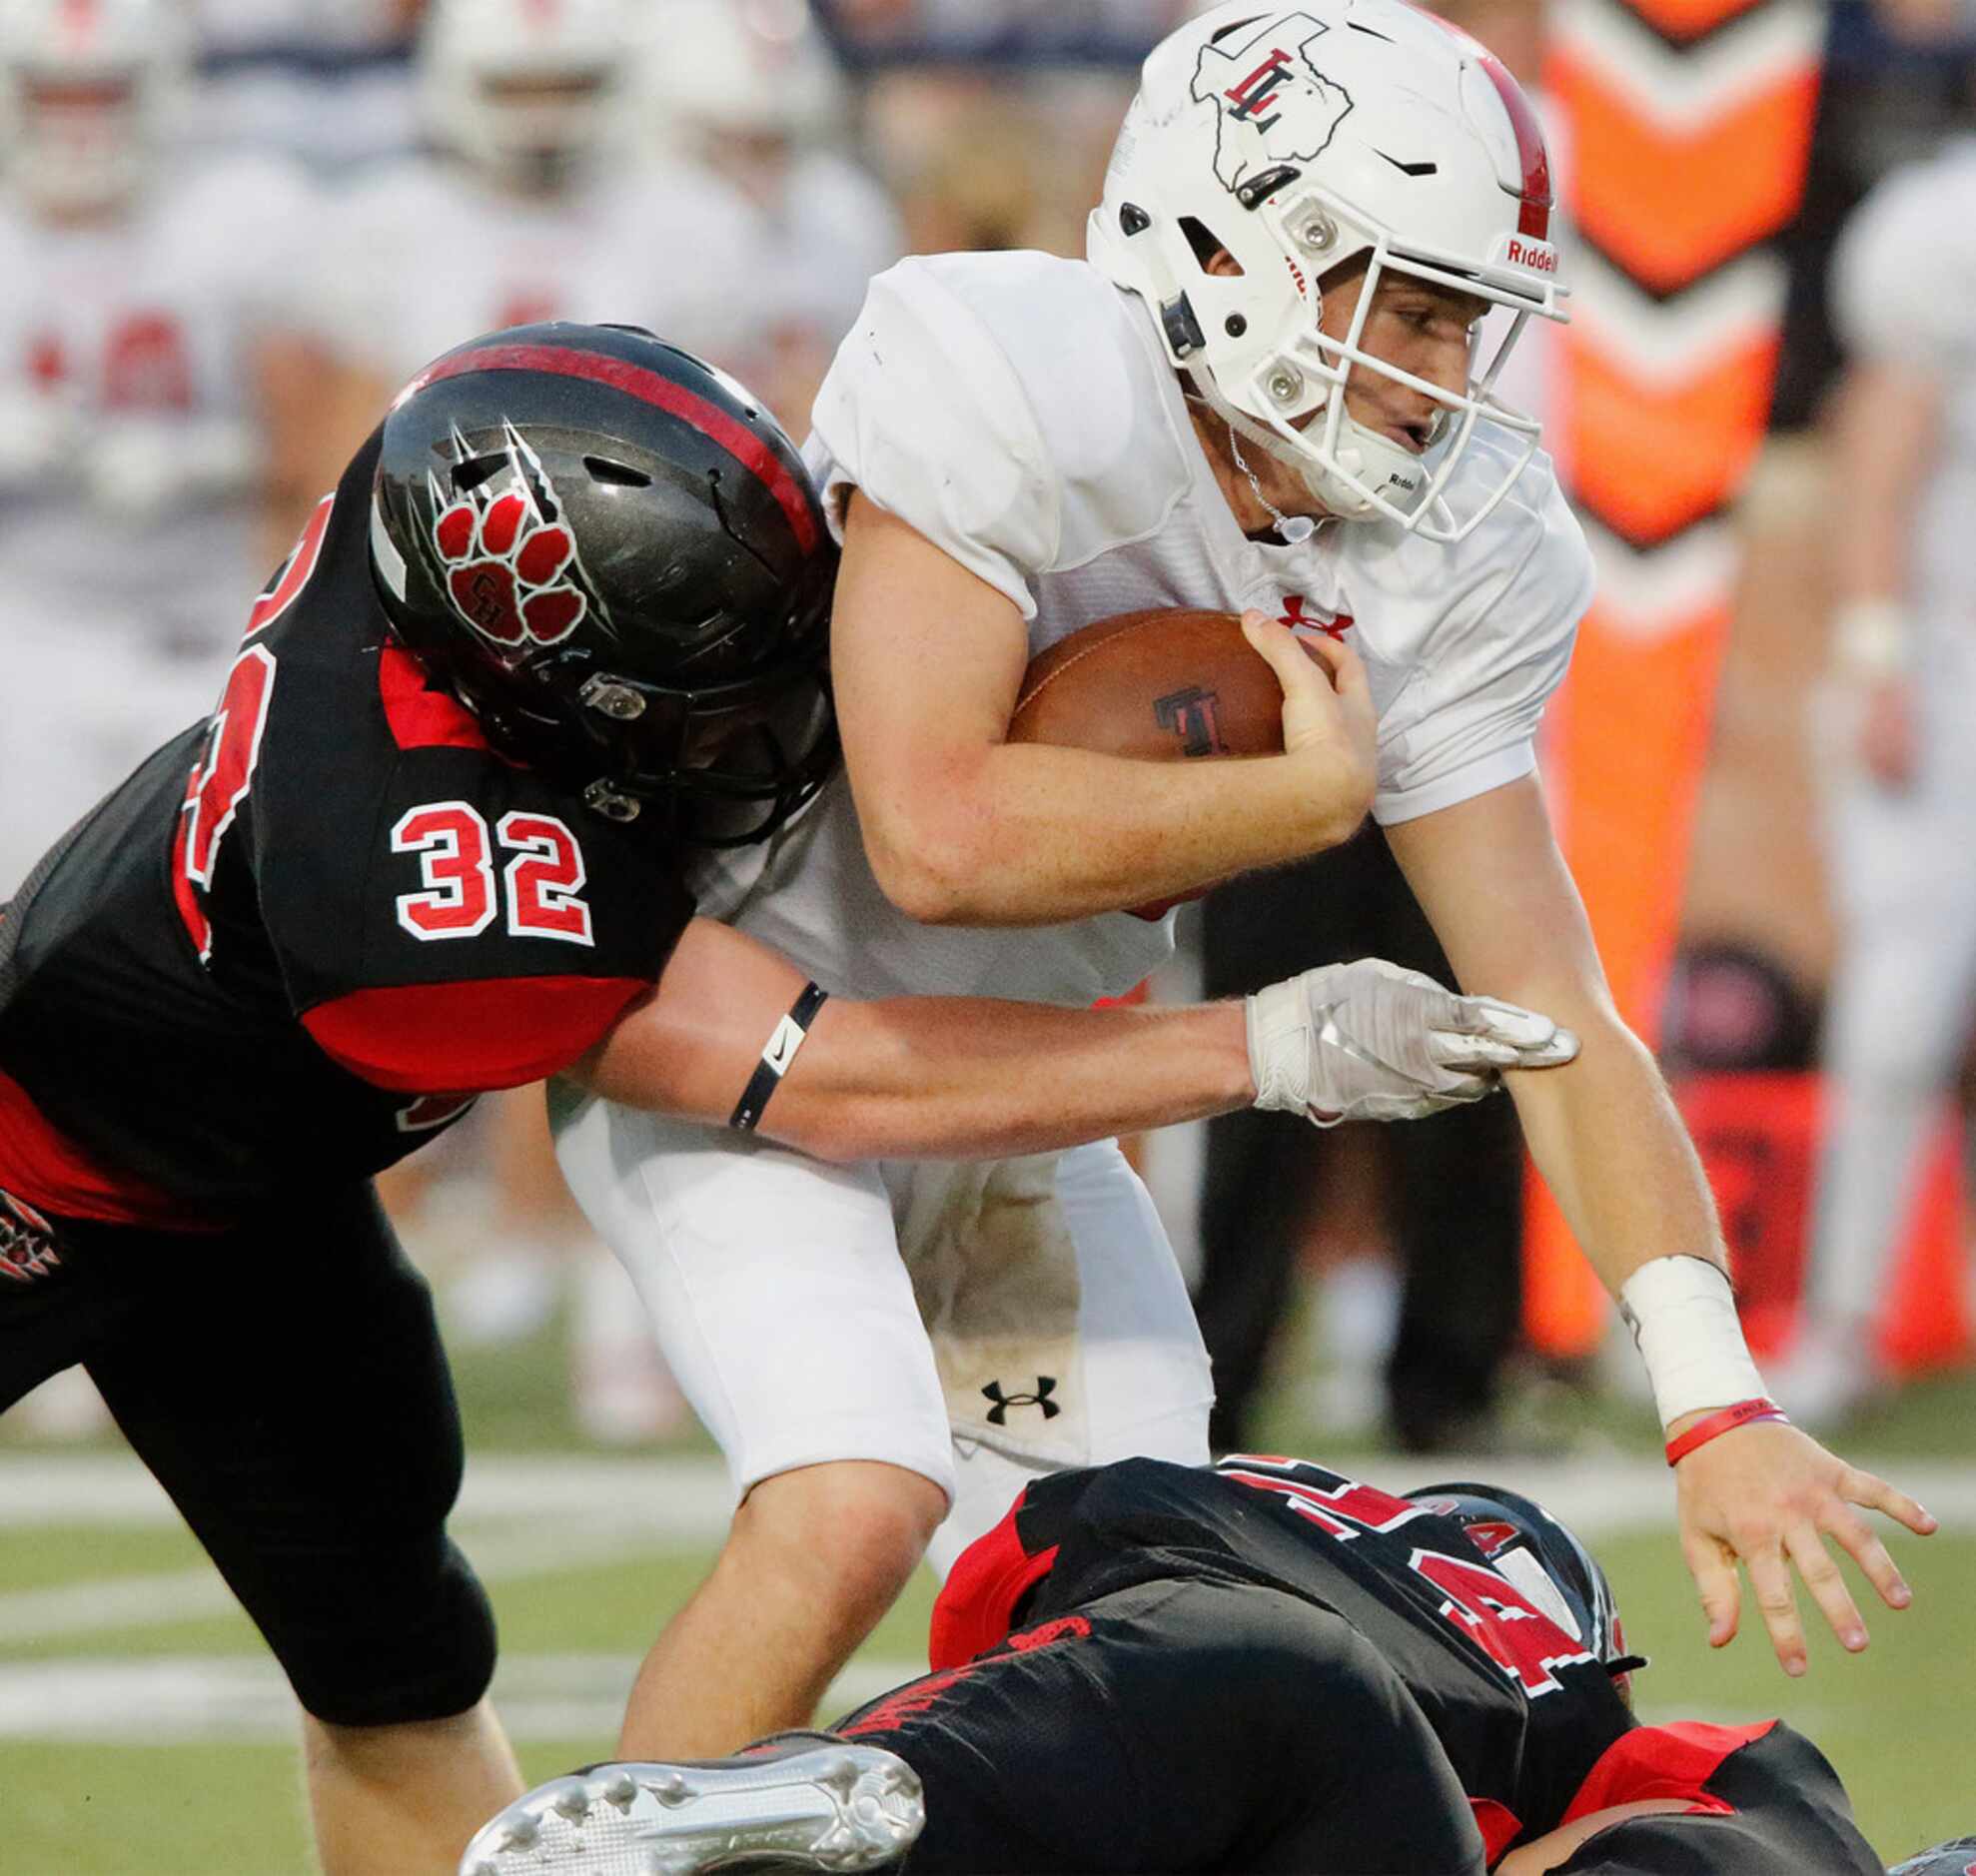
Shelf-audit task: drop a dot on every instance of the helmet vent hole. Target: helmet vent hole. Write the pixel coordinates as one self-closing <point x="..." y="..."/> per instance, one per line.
<point x="1234" y="26"/>
<point x="467" y="477"/>
<point x="617" y="474"/>
<point x="1202" y="240"/>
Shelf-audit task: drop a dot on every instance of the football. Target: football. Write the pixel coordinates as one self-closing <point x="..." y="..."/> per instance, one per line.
<point x="1160" y="685"/>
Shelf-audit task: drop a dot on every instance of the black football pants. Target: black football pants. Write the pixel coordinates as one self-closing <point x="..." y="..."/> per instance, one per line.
<point x="285" y="1383"/>
<point x="1456" y="1181"/>
<point x="1201" y="1724"/>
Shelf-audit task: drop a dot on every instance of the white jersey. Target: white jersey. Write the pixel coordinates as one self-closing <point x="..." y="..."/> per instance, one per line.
<point x="1904" y="290"/>
<point x="1016" y="410"/>
<point x="131" y="340"/>
<point x="833" y="227"/>
<point x="425" y="254"/>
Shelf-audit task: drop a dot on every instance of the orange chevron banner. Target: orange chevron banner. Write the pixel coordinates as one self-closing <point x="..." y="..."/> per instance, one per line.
<point x="1669" y="201"/>
<point x="1687" y="124"/>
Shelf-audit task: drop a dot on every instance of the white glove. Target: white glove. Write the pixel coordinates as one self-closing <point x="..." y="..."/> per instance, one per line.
<point x="1368" y="1041"/>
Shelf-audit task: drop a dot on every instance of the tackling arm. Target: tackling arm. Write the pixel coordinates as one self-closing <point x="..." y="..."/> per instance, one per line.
<point x="970" y="1078"/>
<point x="912" y="1077"/>
<point x="965" y="828"/>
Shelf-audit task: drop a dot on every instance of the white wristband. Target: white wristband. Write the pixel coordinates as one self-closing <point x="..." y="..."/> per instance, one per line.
<point x="1870" y="637"/>
<point x="1683" y="1317"/>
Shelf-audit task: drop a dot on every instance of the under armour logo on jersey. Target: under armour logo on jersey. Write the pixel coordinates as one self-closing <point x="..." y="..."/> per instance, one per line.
<point x="510" y="564"/>
<point x="998" y="1414"/>
<point x="1294" y="615"/>
<point x="1189" y="715"/>
<point x="27" y="1242"/>
<point x="1272" y="104"/>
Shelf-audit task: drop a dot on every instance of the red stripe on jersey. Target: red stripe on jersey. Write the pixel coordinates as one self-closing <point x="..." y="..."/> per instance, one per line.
<point x="466" y="1038"/>
<point x="1500" y="1826"/>
<point x="42" y="1165"/>
<point x="976" y="1604"/>
<point x="1673" y="1761"/>
<point x="419" y="715"/>
<point x="648" y="387"/>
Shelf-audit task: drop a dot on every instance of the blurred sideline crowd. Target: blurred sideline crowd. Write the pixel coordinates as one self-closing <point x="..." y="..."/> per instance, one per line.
<point x="231" y="229"/>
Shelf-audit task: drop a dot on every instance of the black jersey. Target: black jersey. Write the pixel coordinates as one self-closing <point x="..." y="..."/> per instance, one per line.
<point x="1763" y="1801"/>
<point x="305" y="932"/>
<point x="1521" y="1707"/>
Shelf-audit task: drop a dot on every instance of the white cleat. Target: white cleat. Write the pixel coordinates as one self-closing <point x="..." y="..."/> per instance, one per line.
<point x="815" y="1803"/>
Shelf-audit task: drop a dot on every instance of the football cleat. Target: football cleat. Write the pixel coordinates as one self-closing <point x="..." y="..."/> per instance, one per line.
<point x="798" y="1801"/>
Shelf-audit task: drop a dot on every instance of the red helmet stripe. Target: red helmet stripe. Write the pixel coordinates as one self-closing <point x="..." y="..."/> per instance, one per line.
<point x="648" y="387"/>
<point x="1530" y="151"/>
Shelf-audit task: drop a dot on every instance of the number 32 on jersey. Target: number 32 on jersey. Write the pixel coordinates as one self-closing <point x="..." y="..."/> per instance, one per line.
<point x="540" y="887"/>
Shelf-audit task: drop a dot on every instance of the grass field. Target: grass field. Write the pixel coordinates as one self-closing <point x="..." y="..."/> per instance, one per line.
<point x="144" y="1733"/>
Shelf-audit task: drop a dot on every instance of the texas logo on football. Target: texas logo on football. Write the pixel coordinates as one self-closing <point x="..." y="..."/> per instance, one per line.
<point x="1273" y="106"/>
<point x="510" y="563"/>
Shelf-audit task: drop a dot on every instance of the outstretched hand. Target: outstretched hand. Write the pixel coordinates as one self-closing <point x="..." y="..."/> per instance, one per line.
<point x="1768" y="1495"/>
<point x="1371" y="1041"/>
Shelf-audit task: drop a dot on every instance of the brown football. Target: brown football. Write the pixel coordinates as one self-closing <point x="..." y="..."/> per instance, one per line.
<point x="1160" y="685"/>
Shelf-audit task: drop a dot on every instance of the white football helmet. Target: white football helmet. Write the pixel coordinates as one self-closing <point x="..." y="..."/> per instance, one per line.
<point x="752" y="68"/>
<point x="1300" y="138"/>
<point x="89" y="85"/>
<point x="527" y="89"/>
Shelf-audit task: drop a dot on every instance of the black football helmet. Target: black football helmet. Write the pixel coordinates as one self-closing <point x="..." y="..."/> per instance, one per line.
<point x="1957" y="1857"/>
<point x="615" y="558"/>
<point x="1537" y="1553"/>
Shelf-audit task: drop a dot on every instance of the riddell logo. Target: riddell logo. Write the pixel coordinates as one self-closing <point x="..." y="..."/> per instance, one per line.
<point x="1540" y="260"/>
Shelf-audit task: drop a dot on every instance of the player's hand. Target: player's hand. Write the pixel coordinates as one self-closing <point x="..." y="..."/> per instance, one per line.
<point x="1369" y="1041"/>
<point x="1886" y="739"/>
<point x="1326" y="703"/>
<point x="1769" y="1495"/>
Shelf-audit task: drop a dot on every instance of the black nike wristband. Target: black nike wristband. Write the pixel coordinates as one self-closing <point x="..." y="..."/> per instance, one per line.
<point x="777" y="1054"/>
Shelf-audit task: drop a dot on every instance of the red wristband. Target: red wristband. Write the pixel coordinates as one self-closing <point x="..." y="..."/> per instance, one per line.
<point x="1727" y="1420"/>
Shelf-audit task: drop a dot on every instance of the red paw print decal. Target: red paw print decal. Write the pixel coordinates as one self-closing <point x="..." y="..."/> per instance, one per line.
<point x="508" y="570"/>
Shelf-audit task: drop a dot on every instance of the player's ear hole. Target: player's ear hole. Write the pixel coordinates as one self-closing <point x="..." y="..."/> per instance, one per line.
<point x="1214" y="258"/>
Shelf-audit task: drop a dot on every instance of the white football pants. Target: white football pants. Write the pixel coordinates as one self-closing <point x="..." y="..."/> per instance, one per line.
<point x="975" y="1324"/>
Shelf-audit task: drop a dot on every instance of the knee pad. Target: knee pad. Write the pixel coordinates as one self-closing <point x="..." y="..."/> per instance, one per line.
<point x="414" y="1641"/>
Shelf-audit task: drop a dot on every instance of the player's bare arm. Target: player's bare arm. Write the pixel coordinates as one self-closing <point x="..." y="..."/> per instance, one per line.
<point x="1557" y="1847"/>
<point x="964" y="827"/>
<point x="1887" y="431"/>
<point x="1606" y="1138"/>
<point x="977" y="1078"/>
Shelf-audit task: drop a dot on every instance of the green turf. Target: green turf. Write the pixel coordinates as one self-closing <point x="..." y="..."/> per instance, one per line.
<point x="205" y="1810"/>
<point x="1895" y="1721"/>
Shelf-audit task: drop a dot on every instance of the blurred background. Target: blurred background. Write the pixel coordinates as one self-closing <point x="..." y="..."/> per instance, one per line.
<point x="230" y="229"/>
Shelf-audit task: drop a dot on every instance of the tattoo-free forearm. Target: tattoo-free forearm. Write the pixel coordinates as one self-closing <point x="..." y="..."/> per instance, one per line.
<point x="968" y="1078"/>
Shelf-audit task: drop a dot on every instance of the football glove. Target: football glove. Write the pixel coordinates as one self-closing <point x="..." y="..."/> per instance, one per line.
<point x="1368" y="1041"/>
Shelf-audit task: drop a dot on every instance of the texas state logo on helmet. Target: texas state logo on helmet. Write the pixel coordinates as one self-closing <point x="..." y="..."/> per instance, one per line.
<point x="1301" y="141"/>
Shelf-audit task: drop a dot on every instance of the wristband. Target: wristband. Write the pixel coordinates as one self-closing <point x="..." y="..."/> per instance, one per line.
<point x="1870" y="637"/>
<point x="1743" y="1413"/>
<point x="1682" y="1315"/>
<point x="777" y="1054"/>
